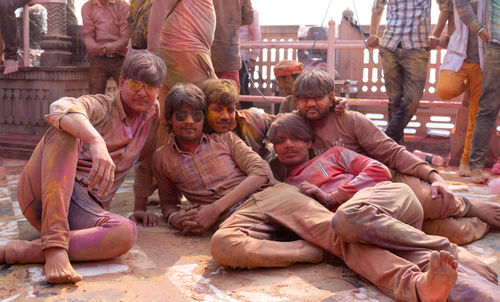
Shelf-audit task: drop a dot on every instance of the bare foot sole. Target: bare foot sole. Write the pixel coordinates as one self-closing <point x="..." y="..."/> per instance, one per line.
<point x="435" y="284"/>
<point x="477" y="265"/>
<point x="478" y="176"/>
<point x="464" y="170"/>
<point x="487" y="211"/>
<point x="58" y="269"/>
<point x="10" y="66"/>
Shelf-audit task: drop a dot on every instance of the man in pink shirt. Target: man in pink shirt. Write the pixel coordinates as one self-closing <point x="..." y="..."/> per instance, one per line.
<point x="106" y="32"/>
<point x="68" y="183"/>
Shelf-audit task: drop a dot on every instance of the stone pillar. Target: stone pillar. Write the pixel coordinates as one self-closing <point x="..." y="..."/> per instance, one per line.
<point x="56" y="44"/>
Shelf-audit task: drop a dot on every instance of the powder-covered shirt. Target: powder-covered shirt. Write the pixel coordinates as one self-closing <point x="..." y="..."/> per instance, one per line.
<point x="219" y="163"/>
<point x="190" y="27"/>
<point x="106" y="25"/>
<point x="494" y="22"/>
<point x="340" y="172"/>
<point x="106" y="114"/>
<point x="408" y="22"/>
<point x="354" y="131"/>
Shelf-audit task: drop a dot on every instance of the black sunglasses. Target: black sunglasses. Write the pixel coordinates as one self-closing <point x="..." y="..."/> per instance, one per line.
<point x="181" y="116"/>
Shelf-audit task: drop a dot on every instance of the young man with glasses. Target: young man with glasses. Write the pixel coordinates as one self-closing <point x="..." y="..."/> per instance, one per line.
<point x="68" y="183"/>
<point x="457" y="218"/>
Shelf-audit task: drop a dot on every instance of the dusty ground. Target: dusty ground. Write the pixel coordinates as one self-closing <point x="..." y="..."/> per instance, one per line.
<point x="164" y="266"/>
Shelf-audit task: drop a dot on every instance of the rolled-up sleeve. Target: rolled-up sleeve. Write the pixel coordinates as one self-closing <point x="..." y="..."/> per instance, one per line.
<point x="85" y="105"/>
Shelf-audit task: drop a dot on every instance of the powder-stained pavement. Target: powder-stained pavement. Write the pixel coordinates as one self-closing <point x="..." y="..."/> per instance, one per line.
<point x="164" y="266"/>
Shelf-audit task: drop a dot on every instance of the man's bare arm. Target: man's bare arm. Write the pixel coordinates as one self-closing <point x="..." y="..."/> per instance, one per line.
<point x="159" y="10"/>
<point x="373" y="40"/>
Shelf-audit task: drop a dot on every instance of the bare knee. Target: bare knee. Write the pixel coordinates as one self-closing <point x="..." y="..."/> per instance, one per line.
<point x="228" y="249"/>
<point x="124" y="237"/>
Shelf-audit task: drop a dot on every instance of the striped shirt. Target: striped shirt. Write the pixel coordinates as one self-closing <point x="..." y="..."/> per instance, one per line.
<point x="408" y="22"/>
<point x="341" y="172"/>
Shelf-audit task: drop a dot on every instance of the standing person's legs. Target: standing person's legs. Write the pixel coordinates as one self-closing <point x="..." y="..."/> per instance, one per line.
<point x="474" y="76"/>
<point x="98" y="75"/>
<point x="414" y="64"/>
<point x="115" y="68"/>
<point x="8" y="28"/>
<point x="489" y="105"/>
<point x="393" y="78"/>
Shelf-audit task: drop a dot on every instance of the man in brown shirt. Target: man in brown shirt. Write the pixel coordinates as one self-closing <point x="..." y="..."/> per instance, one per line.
<point x="459" y="219"/>
<point x="106" y="32"/>
<point x="229" y="184"/>
<point x="77" y="167"/>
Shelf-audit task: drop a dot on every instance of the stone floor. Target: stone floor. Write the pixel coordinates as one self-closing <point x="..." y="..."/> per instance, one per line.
<point x="164" y="266"/>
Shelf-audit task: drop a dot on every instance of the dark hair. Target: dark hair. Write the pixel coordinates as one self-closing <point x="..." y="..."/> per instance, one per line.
<point x="221" y="91"/>
<point x="313" y="83"/>
<point x="292" y="124"/>
<point x="144" y="66"/>
<point x="184" y="94"/>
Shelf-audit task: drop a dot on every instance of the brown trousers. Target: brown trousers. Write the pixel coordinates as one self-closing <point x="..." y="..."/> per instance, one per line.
<point x="376" y="234"/>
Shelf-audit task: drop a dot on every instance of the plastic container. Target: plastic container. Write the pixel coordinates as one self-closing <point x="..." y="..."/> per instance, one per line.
<point x="432" y="159"/>
<point x="494" y="185"/>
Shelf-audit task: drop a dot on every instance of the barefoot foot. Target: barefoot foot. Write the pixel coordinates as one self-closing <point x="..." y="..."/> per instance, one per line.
<point x="487" y="211"/>
<point x="58" y="269"/>
<point x="464" y="170"/>
<point x="435" y="284"/>
<point x="10" y="66"/>
<point x="478" y="176"/>
<point x="477" y="265"/>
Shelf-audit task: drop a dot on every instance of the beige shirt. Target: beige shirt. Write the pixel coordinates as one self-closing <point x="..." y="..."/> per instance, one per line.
<point x="106" y="114"/>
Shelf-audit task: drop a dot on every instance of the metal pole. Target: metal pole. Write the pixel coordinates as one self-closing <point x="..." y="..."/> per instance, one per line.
<point x="330" y="62"/>
<point x="26" y="36"/>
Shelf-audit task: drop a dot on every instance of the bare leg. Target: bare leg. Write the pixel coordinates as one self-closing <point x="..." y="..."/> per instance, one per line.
<point x="487" y="211"/>
<point x="478" y="176"/>
<point x="477" y="265"/>
<point x="58" y="269"/>
<point x="463" y="169"/>
<point x="436" y="284"/>
<point x="10" y="66"/>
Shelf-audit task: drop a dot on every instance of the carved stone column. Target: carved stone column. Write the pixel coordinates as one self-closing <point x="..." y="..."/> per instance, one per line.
<point x="56" y="44"/>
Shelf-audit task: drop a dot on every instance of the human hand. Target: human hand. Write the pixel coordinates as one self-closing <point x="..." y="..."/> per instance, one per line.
<point x="443" y="42"/>
<point x="485" y="35"/>
<point x="147" y="219"/>
<point x="340" y="106"/>
<point x="373" y="41"/>
<point x="433" y="42"/>
<point x="313" y="191"/>
<point x="102" y="173"/>
<point x="183" y="219"/>
<point x="207" y="215"/>
<point x="438" y="186"/>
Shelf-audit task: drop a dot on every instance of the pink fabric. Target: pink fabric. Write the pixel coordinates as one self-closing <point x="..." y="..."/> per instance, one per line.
<point x="340" y="172"/>
<point x="251" y="32"/>
<point x="190" y="27"/>
<point x="106" y="26"/>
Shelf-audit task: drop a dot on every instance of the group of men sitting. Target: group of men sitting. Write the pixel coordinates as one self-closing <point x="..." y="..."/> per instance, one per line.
<point x="346" y="188"/>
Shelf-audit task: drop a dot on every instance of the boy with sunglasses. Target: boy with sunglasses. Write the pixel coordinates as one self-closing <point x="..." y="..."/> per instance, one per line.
<point x="68" y="183"/>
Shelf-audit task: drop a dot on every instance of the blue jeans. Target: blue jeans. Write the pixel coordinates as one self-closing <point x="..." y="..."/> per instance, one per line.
<point x="405" y="73"/>
<point x="8" y="26"/>
<point x="489" y="105"/>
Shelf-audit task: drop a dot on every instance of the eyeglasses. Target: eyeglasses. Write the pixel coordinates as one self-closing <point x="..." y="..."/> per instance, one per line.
<point x="181" y="116"/>
<point x="137" y="85"/>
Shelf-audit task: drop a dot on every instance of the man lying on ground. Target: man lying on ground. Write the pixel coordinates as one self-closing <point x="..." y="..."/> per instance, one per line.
<point x="68" y="183"/>
<point x="228" y="183"/>
<point x="459" y="219"/>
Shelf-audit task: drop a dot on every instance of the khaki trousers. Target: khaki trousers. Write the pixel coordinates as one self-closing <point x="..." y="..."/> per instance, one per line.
<point x="457" y="227"/>
<point x="375" y="220"/>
